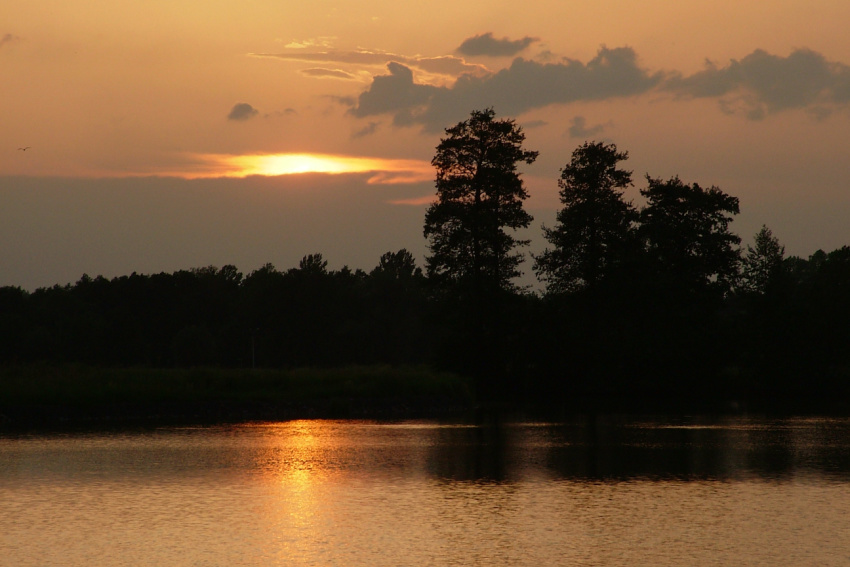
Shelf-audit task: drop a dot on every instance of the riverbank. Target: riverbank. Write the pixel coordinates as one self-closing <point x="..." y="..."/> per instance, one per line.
<point x="72" y="396"/>
<point x="59" y="396"/>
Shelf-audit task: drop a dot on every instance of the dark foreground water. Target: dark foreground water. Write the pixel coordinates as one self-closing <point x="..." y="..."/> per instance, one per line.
<point x="597" y="491"/>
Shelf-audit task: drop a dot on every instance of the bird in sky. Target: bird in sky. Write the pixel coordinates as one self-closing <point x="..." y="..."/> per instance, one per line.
<point x="24" y="149"/>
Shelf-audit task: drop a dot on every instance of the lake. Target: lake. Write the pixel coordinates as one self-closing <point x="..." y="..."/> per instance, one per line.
<point x="603" y="490"/>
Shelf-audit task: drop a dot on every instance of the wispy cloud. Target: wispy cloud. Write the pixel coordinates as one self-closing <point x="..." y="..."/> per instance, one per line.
<point x="367" y="130"/>
<point x="242" y="111"/>
<point x="320" y="72"/>
<point x="279" y="113"/>
<point x="534" y="124"/>
<point x="444" y="65"/>
<point x="8" y="39"/>
<point x="413" y="201"/>
<point x="487" y="45"/>
<point x="579" y="128"/>
<point x="322" y="41"/>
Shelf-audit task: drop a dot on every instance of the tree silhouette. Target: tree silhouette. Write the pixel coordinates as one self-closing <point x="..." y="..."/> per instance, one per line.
<point x="595" y="226"/>
<point x="400" y="266"/>
<point x="313" y="264"/>
<point x="686" y="233"/>
<point x="762" y="264"/>
<point x="473" y="249"/>
<point x="479" y="196"/>
<point x="15" y="321"/>
<point x="396" y="295"/>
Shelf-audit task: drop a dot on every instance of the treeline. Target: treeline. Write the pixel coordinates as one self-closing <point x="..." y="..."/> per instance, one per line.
<point x="628" y="336"/>
<point x="305" y="316"/>
<point x="641" y="302"/>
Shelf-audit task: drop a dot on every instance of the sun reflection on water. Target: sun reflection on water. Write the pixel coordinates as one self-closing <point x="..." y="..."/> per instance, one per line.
<point x="602" y="491"/>
<point x="289" y="459"/>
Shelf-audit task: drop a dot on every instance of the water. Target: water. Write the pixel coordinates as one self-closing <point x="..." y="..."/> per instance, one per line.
<point x="600" y="491"/>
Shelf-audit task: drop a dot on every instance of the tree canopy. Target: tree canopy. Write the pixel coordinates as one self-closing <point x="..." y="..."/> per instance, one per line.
<point x="479" y="200"/>
<point x="685" y="229"/>
<point x="594" y="229"/>
<point x="763" y="263"/>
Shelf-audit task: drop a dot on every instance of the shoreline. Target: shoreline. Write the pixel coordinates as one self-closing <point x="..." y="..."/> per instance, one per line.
<point x="73" y="397"/>
<point x="73" y="417"/>
<point x="60" y="417"/>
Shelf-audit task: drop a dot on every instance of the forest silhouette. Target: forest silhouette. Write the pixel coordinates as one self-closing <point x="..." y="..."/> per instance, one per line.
<point x="640" y="304"/>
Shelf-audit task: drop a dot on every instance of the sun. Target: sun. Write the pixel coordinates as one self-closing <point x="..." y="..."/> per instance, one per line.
<point x="288" y="164"/>
<point x="384" y="171"/>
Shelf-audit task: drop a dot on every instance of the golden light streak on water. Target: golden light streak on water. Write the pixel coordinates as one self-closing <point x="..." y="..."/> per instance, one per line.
<point x="598" y="491"/>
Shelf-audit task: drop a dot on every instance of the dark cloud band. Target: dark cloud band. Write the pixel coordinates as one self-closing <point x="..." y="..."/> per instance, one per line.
<point x="487" y="45"/>
<point x="759" y="84"/>
<point x="523" y="86"/>
<point x="770" y="83"/>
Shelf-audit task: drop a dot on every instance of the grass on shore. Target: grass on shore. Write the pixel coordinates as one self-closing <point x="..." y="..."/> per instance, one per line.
<point x="78" y="385"/>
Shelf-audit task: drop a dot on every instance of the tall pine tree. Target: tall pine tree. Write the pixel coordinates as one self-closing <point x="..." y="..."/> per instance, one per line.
<point x="479" y="204"/>
<point x="595" y="228"/>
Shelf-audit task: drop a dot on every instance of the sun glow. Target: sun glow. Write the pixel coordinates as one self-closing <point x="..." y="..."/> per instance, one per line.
<point x="385" y="171"/>
<point x="287" y="164"/>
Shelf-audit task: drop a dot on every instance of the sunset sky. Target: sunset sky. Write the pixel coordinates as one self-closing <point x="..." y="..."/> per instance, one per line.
<point x="164" y="135"/>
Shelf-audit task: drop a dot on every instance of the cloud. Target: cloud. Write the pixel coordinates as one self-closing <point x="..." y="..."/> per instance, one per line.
<point x="279" y="113"/>
<point x="395" y="93"/>
<point x="324" y="41"/>
<point x="8" y="38"/>
<point x="579" y="129"/>
<point x="342" y="100"/>
<point x="242" y="111"/>
<point x="756" y="86"/>
<point x="446" y="65"/>
<point x="328" y="73"/>
<point x="367" y="130"/>
<point x="353" y="57"/>
<point x="414" y="201"/>
<point x="523" y="86"/>
<point x="761" y="84"/>
<point x="534" y="124"/>
<point x="486" y="44"/>
<point x="443" y="65"/>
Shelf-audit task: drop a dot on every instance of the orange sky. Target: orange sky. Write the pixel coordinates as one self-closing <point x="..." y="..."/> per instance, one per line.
<point x="752" y="97"/>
